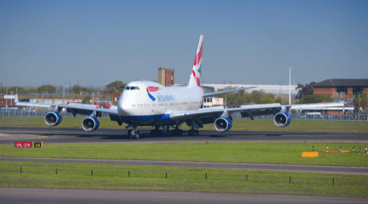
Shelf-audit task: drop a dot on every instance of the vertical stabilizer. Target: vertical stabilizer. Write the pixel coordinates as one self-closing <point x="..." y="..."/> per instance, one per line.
<point x="195" y="76"/>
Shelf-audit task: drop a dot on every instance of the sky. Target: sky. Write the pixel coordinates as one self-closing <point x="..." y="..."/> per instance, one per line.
<point x="92" y="43"/>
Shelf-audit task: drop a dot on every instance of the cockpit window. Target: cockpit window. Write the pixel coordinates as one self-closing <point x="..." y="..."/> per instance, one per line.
<point x="132" y="88"/>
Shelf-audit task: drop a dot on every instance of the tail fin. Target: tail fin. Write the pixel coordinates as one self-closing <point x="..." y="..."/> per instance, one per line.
<point x="16" y="100"/>
<point x="195" y="76"/>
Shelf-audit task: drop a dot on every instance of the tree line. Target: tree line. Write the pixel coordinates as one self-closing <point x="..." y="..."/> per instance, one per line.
<point x="113" y="87"/>
<point x="256" y="97"/>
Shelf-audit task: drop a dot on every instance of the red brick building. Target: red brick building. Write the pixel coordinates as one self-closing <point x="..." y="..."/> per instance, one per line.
<point x="166" y="76"/>
<point x="348" y="86"/>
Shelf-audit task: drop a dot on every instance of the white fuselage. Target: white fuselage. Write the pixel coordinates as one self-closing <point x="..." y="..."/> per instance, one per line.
<point x="158" y="99"/>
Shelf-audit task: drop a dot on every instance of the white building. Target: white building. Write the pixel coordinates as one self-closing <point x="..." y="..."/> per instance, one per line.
<point x="275" y="89"/>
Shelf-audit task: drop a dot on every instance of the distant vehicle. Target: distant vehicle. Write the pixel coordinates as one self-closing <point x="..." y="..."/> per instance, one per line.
<point x="314" y="114"/>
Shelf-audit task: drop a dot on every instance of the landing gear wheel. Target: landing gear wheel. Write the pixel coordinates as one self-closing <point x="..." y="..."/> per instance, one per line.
<point x="136" y="135"/>
<point x="177" y="132"/>
<point x="133" y="134"/>
<point x="156" y="133"/>
<point x="193" y="132"/>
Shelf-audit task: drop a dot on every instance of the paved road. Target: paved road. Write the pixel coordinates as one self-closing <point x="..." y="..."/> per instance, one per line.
<point x="39" y="196"/>
<point x="77" y="135"/>
<point x="270" y="167"/>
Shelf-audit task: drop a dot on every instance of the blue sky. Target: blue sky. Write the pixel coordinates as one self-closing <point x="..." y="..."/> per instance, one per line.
<point x="249" y="42"/>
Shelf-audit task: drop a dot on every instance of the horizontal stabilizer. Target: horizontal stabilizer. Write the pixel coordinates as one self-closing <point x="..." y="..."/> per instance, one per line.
<point x="227" y="91"/>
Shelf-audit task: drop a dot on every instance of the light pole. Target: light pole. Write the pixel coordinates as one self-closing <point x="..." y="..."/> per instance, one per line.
<point x="6" y="100"/>
<point x="43" y="101"/>
<point x="290" y="86"/>
<point x="63" y="94"/>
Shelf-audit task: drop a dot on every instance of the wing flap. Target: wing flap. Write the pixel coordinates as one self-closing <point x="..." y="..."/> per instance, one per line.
<point x="210" y="114"/>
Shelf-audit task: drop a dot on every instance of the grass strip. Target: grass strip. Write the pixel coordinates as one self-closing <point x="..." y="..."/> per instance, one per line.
<point x="231" y="152"/>
<point x="115" y="177"/>
<point x="243" y="124"/>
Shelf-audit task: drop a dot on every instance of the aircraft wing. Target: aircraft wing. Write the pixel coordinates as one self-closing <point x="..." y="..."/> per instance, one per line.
<point x="334" y="106"/>
<point x="74" y="109"/>
<point x="326" y="109"/>
<point x="209" y="115"/>
<point x="227" y="91"/>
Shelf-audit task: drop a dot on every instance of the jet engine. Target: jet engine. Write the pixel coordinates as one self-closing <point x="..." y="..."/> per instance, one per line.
<point x="223" y="124"/>
<point x="53" y="118"/>
<point x="282" y="119"/>
<point x="90" y="124"/>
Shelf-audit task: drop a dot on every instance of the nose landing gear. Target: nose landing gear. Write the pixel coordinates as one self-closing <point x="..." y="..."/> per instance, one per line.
<point x="133" y="134"/>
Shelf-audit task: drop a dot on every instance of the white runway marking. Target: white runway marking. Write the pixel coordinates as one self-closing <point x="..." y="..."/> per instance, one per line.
<point x="3" y="135"/>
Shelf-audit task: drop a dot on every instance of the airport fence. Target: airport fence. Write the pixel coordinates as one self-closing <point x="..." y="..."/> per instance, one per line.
<point x="350" y="117"/>
<point x="42" y="113"/>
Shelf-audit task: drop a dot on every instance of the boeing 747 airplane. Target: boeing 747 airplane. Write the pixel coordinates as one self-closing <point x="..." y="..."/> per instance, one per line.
<point x="146" y="103"/>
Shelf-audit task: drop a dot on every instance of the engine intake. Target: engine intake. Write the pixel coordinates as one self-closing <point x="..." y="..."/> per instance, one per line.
<point x="223" y="124"/>
<point x="282" y="119"/>
<point x="53" y="118"/>
<point x="90" y="124"/>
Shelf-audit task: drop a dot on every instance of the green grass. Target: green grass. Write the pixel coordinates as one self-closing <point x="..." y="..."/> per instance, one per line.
<point x="242" y="152"/>
<point x="78" y="176"/>
<point x="256" y="125"/>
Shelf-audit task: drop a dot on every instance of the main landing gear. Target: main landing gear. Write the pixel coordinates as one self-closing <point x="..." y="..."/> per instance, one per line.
<point x="165" y="131"/>
<point x="156" y="132"/>
<point x="193" y="132"/>
<point x="177" y="132"/>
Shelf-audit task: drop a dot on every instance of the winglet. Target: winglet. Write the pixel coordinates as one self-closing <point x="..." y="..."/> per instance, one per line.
<point x="16" y="98"/>
<point x="351" y="100"/>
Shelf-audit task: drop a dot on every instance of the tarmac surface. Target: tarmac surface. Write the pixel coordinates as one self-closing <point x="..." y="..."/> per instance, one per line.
<point x="32" y="195"/>
<point x="245" y="166"/>
<point x="52" y="135"/>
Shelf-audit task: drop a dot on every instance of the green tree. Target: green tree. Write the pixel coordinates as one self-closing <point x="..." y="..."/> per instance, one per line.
<point x="278" y="100"/>
<point x="115" y="87"/>
<point x="314" y="98"/>
<point x="305" y="89"/>
<point x="32" y="90"/>
<point x="363" y="101"/>
<point x="46" y="88"/>
<point x="86" y="99"/>
<point x="78" y="89"/>
<point x="20" y="90"/>
<point x="264" y="99"/>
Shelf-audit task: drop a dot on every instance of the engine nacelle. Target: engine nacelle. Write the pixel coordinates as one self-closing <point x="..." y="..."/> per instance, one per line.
<point x="53" y="118"/>
<point x="90" y="124"/>
<point x="282" y="119"/>
<point x="223" y="124"/>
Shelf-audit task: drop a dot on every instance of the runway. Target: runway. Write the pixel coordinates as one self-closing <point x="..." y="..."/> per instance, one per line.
<point x="52" y="135"/>
<point x="32" y="195"/>
<point x="244" y="166"/>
